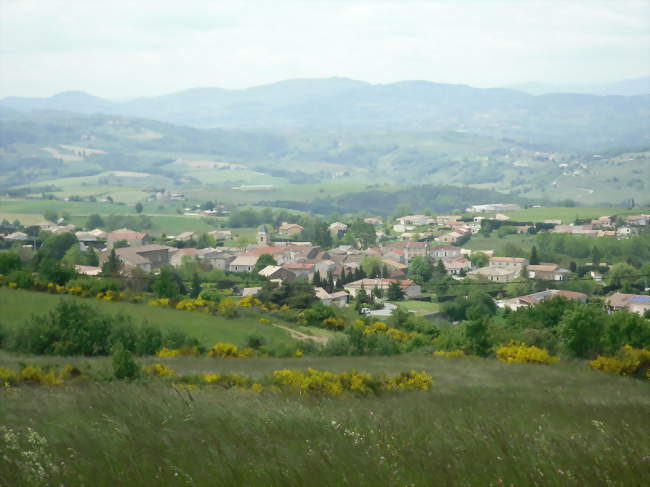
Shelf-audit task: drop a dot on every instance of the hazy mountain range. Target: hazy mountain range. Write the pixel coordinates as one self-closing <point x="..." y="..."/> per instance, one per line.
<point x="631" y="87"/>
<point x="562" y="120"/>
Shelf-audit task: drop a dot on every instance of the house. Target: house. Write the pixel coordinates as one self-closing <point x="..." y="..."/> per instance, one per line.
<point x="339" y="299"/>
<point x="394" y="265"/>
<point x="88" y="270"/>
<point x="547" y="272"/>
<point x="221" y="234"/>
<point x="501" y="217"/>
<point x="306" y="271"/>
<point x="16" y="237"/>
<point x="178" y="255"/>
<point x="410" y="250"/>
<point x="276" y="272"/>
<point x="149" y="258"/>
<point x="514" y="264"/>
<point x="457" y="266"/>
<point x="635" y="303"/>
<point x="373" y="221"/>
<point x="409" y="287"/>
<point x="243" y="263"/>
<point x="250" y="291"/>
<point x="603" y="222"/>
<point x="416" y="220"/>
<point x="533" y="299"/>
<point x="131" y="237"/>
<point x="445" y="252"/>
<point x="493" y="208"/>
<point x="494" y="274"/>
<point x="639" y="220"/>
<point x="447" y="219"/>
<point x="290" y="229"/>
<point x="338" y="228"/>
<point x="451" y="237"/>
<point x="90" y="239"/>
<point x="216" y="258"/>
<point x="185" y="236"/>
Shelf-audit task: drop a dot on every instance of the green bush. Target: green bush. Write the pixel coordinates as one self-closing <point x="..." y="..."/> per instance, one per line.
<point x="124" y="365"/>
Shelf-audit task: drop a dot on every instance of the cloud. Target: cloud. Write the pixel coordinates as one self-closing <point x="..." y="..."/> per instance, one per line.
<point x="121" y="48"/>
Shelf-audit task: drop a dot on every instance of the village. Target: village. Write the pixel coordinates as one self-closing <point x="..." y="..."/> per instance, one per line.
<point x="338" y="272"/>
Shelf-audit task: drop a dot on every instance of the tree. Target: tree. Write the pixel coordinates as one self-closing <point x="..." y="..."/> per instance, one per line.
<point x="394" y="292"/>
<point x="112" y="265"/>
<point x="9" y="262"/>
<point x="138" y="207"/>
<point x="55" y="246"/>
<point x="581" y="330"/>
<point x="533" y="259"/>
<point x="196" y="286"/>
<point x="51" y="215"/>
<point x="595" y="255"/>
<point x="165" y="285"/>
<point x="264" y="261"/>
<point x="361" y="299"/>
<point x="371" y="265"/>
<point x="316" y="281"/>
<point x="420" y="269"/>
<point x="622" y="276"/>
<point x="479" y="259"/>
<point x="476" y="337"/>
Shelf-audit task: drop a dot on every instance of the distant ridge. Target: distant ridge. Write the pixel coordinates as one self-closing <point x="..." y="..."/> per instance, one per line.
<point x="632" y="87"/>
<point x="340" y="104"/>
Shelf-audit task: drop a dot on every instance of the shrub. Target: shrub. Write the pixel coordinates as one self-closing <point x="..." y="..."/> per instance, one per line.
<point x="228" y="350"/>
<point x="522" y="353"/>
<point x="159" y="370"/>
<point x="450" y="353"/>
<point x="628" y="361"/>
<point x="124" y="366"/>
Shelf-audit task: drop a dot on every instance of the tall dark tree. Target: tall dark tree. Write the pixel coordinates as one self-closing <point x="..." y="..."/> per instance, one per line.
<point x="316" y="280"/>
<point x="138" y="207"/>
<point x="112" y="265"/>
<point x="196" y="286"/>
<point x="534" y="259"/>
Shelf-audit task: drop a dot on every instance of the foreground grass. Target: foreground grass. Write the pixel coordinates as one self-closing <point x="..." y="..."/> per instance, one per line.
<point x="18" y="305"/>
<point x="483" y="423"/>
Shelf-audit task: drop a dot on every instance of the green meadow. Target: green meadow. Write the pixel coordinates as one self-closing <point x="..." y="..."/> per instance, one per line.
<point x="18" y="305"/>
<point x="482" y="423"/>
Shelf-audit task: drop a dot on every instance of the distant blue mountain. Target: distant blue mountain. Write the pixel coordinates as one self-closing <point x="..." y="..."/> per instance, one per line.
<point x="567" y="120"/>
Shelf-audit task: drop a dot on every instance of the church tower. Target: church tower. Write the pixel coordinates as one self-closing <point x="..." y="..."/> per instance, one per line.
<point x="262" y="237"/>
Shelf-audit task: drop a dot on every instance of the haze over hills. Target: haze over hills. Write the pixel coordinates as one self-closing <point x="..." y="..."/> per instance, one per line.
<point x="632" y="87"/>
<point x="561" y="121"/>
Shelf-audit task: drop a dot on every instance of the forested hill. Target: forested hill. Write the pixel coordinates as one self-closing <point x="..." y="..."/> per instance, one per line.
<point x="559" y="121"/>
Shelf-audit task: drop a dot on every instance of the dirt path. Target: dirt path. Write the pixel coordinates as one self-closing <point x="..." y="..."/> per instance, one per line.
<point x="298" y="335"/>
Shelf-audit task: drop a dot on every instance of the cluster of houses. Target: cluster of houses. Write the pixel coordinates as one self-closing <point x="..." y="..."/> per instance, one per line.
<point x="604" y="226"/>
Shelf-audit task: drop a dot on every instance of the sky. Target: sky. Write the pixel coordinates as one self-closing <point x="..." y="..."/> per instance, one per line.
<point x="120" y="49"/>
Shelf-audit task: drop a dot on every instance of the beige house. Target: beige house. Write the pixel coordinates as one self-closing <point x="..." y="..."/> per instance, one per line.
<point x="533" y="299"/>
<point x="514" y="264"/>
<point x="339" y="299"/>
<point x="133" y="238"/>
<point x="634" y="303"/>
<point x="290" y="229"/>
<point x="243" y="263"/>
<point x="547" y="272"/>
<point x="409" y="287"/>
<point x="149" y="258"/>
<point x="494" y="274"/>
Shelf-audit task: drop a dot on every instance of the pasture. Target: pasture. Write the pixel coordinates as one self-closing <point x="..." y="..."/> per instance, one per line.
<point x="556" y="425"/>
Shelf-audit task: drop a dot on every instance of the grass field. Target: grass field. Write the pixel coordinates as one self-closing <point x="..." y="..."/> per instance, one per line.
<point x="419" y="307"/>
<point x="18" y="305"/>
<point x="482" y="423"/>
<point x="478" y="242"/>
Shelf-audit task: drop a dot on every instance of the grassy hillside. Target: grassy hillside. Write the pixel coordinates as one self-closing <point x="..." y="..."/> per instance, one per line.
<point x="559" y="425"/>
<point x="18" y="305"/>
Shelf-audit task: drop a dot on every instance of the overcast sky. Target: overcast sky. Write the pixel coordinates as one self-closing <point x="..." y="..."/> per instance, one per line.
<point x="119" y="49"/>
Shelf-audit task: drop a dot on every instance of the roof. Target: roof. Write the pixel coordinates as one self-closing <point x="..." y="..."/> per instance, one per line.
<point x="543" y="267"/>
<point x="269" y="270"/>
<point x="445" y="247"/>
<point x="267" y="249"/>
<point x="134" y="254"/>
<point x="250" y="291"/>
<point x="371" y="283"/>
<point x="518" y="260"/>
<point x="126" y="234"/>
<point x="247" y="260"/>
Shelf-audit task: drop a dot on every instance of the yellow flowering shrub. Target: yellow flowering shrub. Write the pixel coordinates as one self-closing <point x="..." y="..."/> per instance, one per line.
<point x="298" y="353"/>
<point x="449" y="353"/>
<point x="628" y="361"/>
<point x="37" y="376"/>
<point x="76" y="290"/>
<point x="227" y="381"/>
<point x="12" y="285"/>
<point x="228" y="350"/>
<point x="159" y="370"/>
<point x="246" y="302"/>
<point x="264" y="321"/>
<point x="159" y="302"/>
<point x="334" y="323"/>
<point x="410" y="380"/>
<point x="522" y="353"/>
<point x="177" y="352"/>
<point x="198" y="304"/>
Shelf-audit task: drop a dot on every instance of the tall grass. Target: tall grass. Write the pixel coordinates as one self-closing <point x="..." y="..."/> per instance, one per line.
<point x="483" y="423"/>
